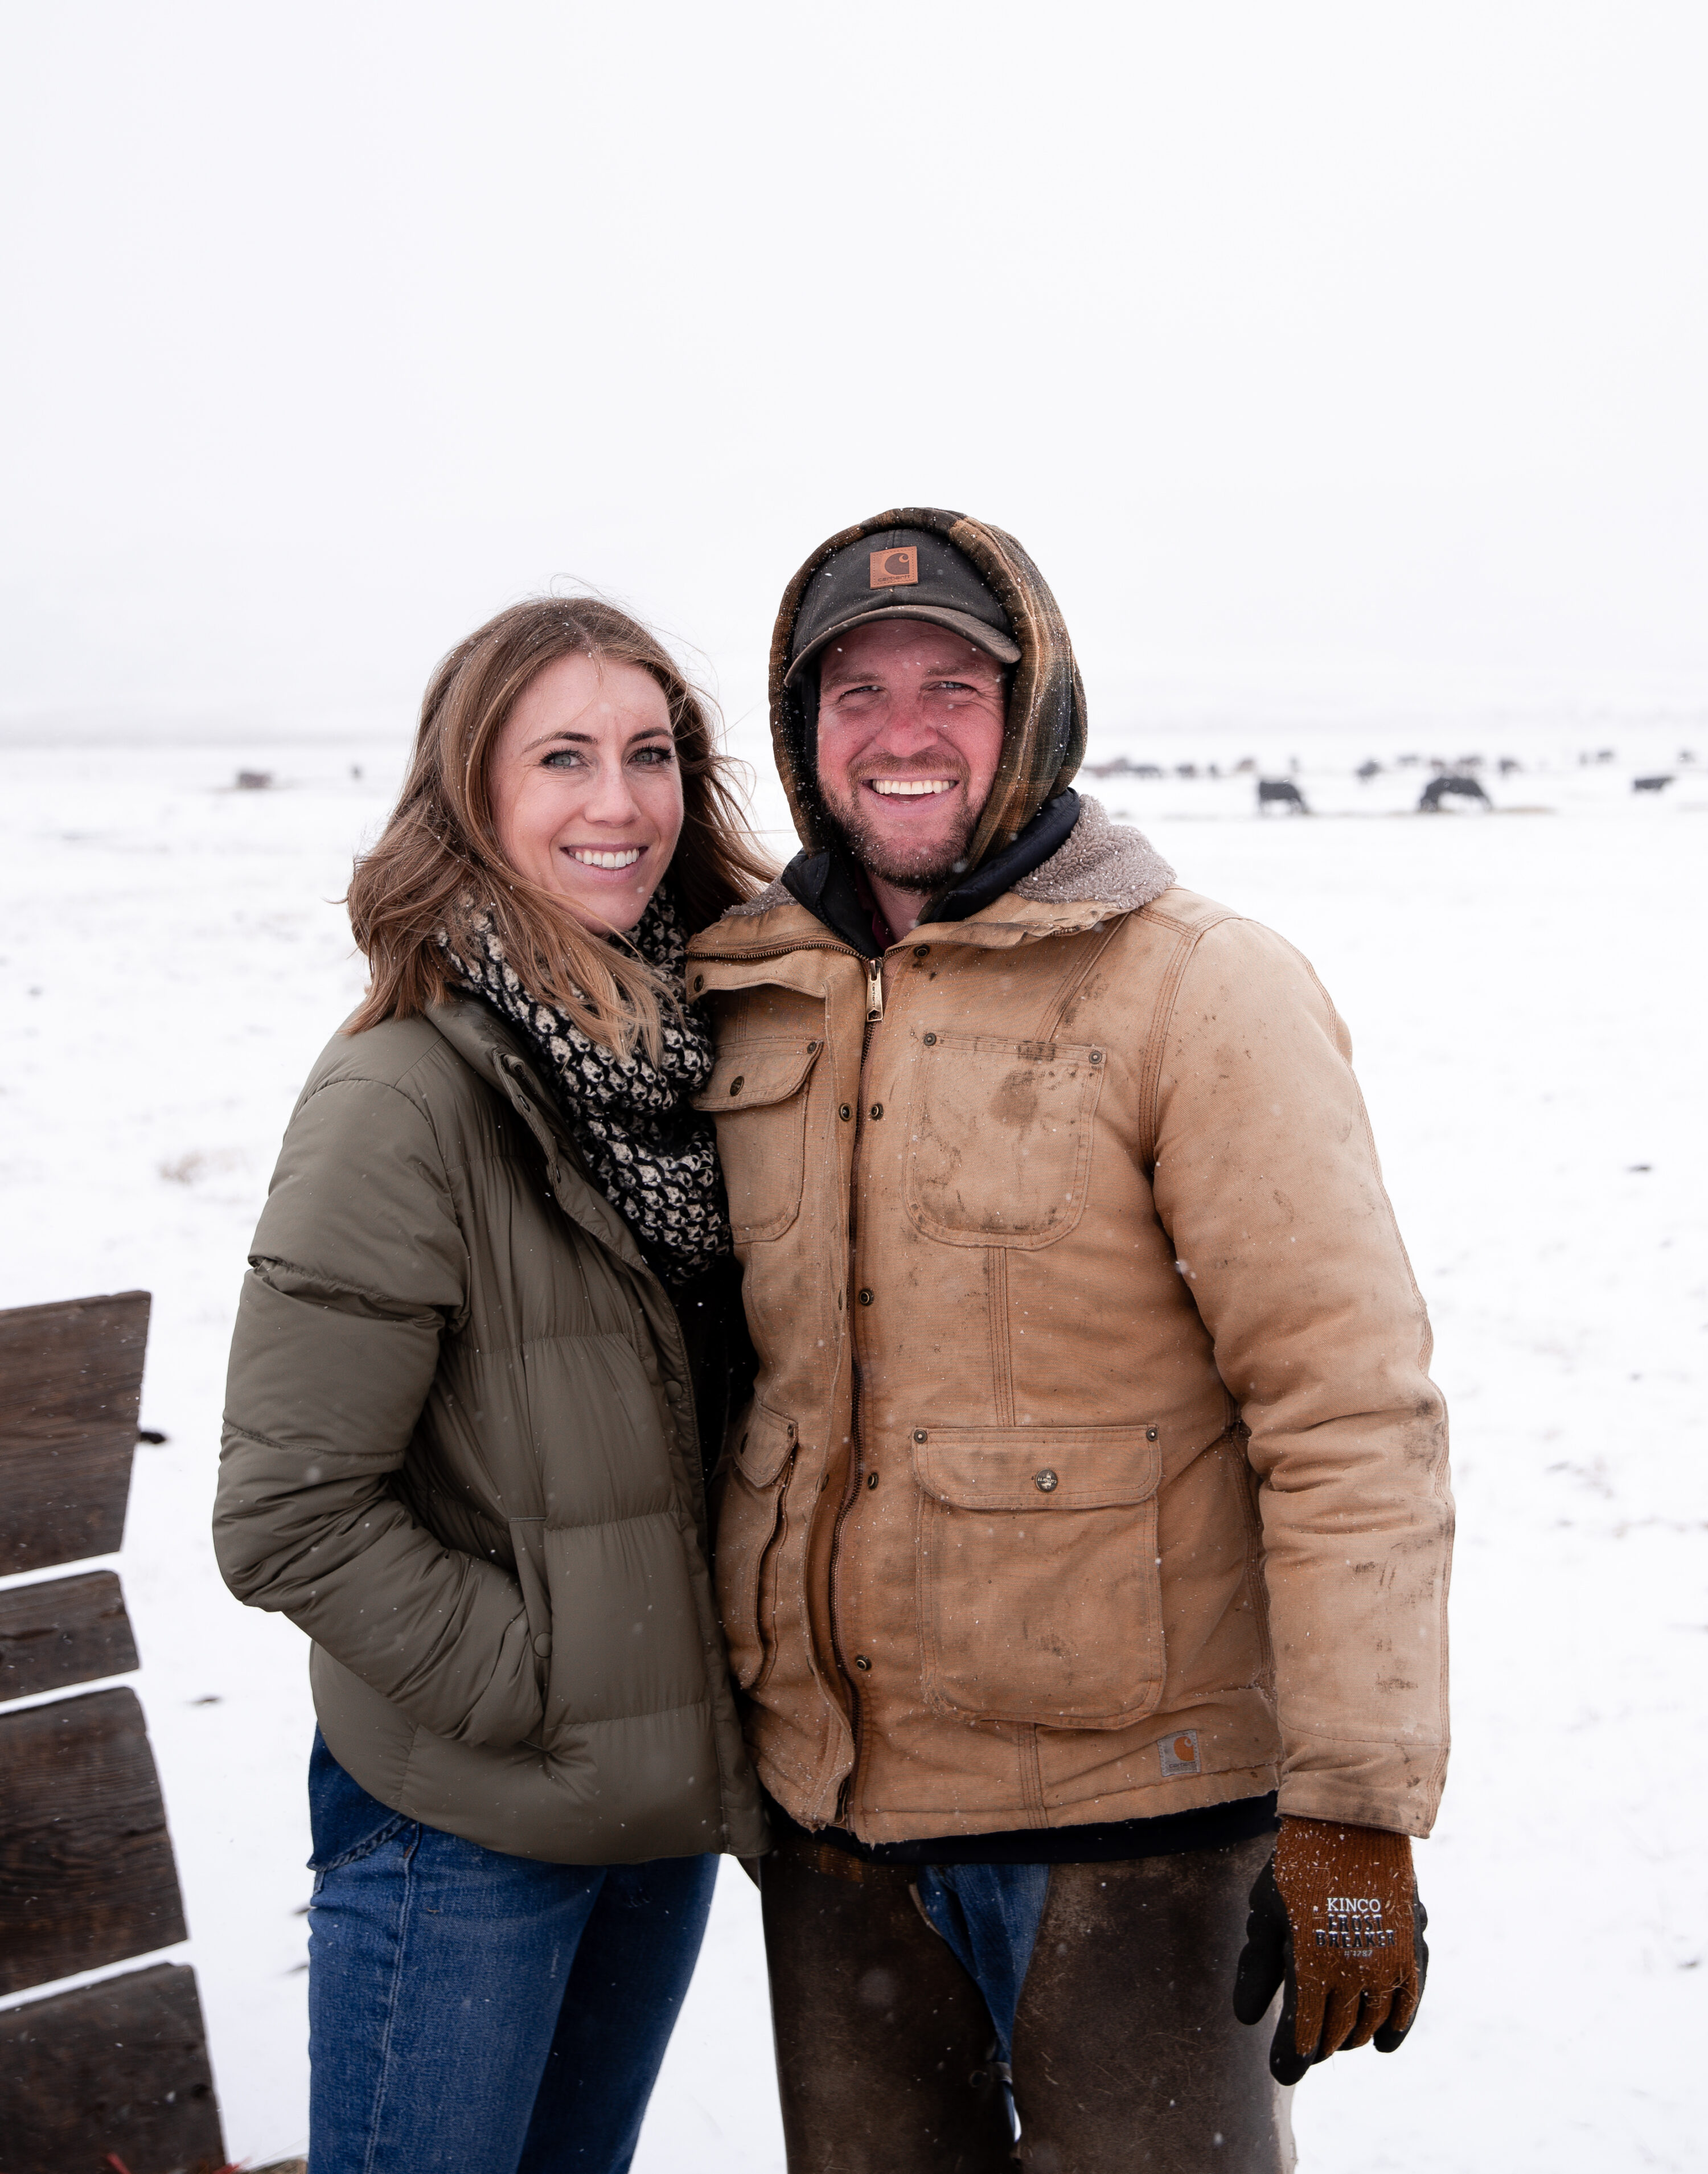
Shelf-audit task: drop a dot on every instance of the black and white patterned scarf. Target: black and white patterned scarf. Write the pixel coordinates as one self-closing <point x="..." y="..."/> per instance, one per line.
<point x="650" y="1153"/>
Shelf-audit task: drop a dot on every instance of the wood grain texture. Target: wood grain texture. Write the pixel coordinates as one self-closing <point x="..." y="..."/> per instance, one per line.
<point x="86" y="1870"/>
<point x="65" y="1630"/>
<point x="118" y="2068"/>
<point x="71" y="1379"/>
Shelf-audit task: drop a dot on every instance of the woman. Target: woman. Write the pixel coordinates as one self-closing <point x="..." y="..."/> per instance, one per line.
<point x="490" y="1294"/>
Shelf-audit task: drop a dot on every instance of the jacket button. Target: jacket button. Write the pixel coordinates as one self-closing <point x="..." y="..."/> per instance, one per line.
<point x="845" y="1112"/>
<point x="921" y="950"/>
<point x="871" y="1479"/>
<point x="699" y="983"/>
<point x="1046" y="1481"/>
<point x="865" y="1298"/>
<point x="1150" y="1434"/>
<point x="861" y="1661"/>
<point x="919" y="1434"/>
<point x="1097" y="1057"/>
<point x="543" y="1644"/>
<point x="737" y="1083"/>
<point x="929" y="1040"/>
<point x="878" y="1109"/>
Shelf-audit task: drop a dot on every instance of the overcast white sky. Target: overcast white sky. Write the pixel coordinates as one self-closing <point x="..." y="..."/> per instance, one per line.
<point x="1308" y="347"/>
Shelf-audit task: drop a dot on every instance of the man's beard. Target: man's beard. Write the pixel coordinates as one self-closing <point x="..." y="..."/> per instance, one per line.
<point x="921" y="871"/>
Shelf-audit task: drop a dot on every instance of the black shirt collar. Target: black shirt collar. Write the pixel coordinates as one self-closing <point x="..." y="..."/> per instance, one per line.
<point x="824" y="883"/>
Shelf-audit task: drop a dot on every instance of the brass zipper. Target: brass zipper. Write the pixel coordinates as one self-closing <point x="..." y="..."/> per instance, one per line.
<point x="851" y="1492"/>
<point x="874" y="1013"/>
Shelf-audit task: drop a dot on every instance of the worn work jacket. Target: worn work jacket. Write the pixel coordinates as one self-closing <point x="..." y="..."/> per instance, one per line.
<point x="1093" y="1470"/>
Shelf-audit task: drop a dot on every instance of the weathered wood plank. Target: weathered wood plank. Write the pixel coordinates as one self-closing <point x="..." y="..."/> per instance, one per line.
<point x="71" y="1378"/>
<point x="118" y="2068"/>
<point x="86" y="1870"/>
<point x="65" y="1630"/>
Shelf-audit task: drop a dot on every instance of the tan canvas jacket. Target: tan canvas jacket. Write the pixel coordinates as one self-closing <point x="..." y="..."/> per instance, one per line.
<point x="1093" y="1470"/>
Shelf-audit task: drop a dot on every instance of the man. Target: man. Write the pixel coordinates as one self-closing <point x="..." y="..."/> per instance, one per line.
<point x="1093" y="1489"/>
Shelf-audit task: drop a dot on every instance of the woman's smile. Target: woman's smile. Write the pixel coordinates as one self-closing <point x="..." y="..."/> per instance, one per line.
<point x="602" y="857"/>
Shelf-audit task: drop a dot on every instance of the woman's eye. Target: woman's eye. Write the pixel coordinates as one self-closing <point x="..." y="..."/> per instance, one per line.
<point x="563" y="759"/>
<point x="654" y="758"/>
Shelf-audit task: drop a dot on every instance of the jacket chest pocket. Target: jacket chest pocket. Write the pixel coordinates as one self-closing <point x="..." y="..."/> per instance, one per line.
<point x="750" y="1525"/>
<point x="1041" y="1596"/>
<point x="999" y="1138"/>
<point x="758" y="1094"/>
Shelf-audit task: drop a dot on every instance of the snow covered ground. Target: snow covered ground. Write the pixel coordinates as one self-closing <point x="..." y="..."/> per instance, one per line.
<point x="1526" y="993"/>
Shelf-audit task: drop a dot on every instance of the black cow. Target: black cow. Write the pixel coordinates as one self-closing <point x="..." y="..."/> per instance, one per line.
<point x="1651" y="784"/>
<point x="1280" y="792"/>
<point x="1438" y="788"/>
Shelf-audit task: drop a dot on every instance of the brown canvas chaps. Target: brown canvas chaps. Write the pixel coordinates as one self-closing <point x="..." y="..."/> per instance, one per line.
<point x="1127" y="2053"/>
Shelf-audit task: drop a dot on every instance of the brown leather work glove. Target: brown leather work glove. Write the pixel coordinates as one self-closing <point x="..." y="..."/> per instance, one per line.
<point x="1335" y="1917"/>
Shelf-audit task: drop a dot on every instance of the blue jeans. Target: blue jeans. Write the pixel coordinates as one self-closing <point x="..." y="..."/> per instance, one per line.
<point x="990" y="1915"/>
<point x="481" y="2013"/>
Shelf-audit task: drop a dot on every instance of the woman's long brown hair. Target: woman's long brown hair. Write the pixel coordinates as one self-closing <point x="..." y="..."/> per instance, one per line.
<point x="438" y="862"/>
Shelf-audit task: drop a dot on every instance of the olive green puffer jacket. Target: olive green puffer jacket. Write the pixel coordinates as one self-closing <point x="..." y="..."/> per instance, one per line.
<point x="460" y="1454"/>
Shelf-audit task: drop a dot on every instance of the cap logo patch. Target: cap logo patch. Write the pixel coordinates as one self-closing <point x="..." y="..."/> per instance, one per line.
<point x="896" y="569"/>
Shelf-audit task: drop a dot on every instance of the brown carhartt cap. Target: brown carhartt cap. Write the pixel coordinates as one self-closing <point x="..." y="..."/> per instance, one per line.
<point x="903" y="573"/>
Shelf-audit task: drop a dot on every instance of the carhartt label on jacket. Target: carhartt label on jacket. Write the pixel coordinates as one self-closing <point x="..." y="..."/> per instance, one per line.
<point x="896" y="569"/>
<point x="1180" y="1754"/>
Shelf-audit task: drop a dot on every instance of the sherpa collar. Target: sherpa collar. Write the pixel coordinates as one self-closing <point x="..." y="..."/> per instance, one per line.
<point x="1101" y="863"/>
<point x="1107" y="863"/>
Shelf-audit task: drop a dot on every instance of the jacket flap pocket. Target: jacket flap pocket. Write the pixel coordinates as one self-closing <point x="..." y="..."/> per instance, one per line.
<point x="764" y="1444"/>
<point x="748" y="1075"/>
<point x="1039" y="1467"/>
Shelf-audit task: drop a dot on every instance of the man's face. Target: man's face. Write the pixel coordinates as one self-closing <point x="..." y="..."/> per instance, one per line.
<point x="911" y="721"/>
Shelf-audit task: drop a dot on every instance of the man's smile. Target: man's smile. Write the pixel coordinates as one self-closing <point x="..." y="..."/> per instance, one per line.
<point x="912" y="788"/>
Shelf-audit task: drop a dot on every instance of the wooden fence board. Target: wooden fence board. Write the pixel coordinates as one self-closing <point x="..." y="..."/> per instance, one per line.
<point x="86" y="1870"/>
<point x="65" y="1630"/>
<point x="118" y="2068"/>
<point x="71" y="1379"/>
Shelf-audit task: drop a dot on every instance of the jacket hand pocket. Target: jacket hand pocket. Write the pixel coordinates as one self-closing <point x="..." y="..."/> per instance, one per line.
<point x="999" y="1138"/>
<point x="758" y="1094"/>
<point x="527" y="1536"/>
<point x="750" y="1529"/>
<point x="1041" y="1596"/>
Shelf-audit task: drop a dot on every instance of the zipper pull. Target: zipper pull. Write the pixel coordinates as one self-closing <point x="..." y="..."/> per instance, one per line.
<point x="875" y="990"/>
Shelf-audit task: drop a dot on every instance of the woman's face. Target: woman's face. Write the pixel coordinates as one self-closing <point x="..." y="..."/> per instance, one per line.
<point x="586" y="791"/>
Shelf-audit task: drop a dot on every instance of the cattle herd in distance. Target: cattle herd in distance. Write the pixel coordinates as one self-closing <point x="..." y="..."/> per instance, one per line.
<point x="1448" y="785"/>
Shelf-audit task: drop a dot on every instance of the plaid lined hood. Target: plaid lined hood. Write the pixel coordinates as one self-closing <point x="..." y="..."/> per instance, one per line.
<point x="1045" y="738"/>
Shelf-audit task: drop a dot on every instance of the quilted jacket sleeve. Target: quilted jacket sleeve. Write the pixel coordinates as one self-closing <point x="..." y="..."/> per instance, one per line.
<point x="1268" y="1180"/>
<point x="358" y="1266"/>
